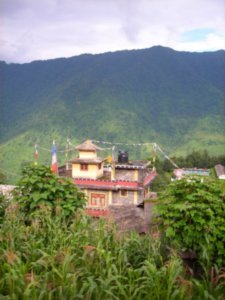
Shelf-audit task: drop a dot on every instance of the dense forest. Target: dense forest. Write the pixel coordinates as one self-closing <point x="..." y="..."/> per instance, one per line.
<point x="152" y="95"/>
<point x="196" y="159"/>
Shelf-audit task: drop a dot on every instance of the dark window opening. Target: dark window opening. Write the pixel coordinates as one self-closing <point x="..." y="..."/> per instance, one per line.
<point x="124" y="193"/>
<point x="84" y="167"/>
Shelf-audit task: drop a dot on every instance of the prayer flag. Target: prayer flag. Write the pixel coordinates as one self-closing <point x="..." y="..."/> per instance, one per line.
<point x="36" y="151"/>
<point x="54" y="159"/>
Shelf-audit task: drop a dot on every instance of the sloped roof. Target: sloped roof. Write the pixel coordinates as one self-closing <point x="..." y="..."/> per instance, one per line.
<point x="107" y="184"/>
<point x="95" y="160"/>
<point x="88" y="146"/>
<point x="149" y="178"/>
<point x="220" y="170"/>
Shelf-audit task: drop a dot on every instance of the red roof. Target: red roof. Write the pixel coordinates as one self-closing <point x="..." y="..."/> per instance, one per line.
<point x="149" y="178"/>
<point x="107" y="184"/>
<point x="114" y="184"/>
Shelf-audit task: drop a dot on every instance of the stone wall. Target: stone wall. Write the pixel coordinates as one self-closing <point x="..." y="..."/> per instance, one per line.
<point x="118" y="199"/>
<point x="122" y="174"/>
<point x="131" y="217"/>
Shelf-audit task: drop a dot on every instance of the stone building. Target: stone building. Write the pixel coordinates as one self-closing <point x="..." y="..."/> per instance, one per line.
<point x="120" y="183"/>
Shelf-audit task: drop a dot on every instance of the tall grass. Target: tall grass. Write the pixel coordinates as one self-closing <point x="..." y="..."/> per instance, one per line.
<point x="48" y="258"/>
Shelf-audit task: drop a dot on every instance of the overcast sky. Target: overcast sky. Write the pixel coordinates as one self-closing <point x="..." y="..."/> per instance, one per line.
<point x="42" y="29"/>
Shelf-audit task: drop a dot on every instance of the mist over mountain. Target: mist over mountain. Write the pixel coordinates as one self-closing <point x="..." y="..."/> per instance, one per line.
<point x="176" y="99"/>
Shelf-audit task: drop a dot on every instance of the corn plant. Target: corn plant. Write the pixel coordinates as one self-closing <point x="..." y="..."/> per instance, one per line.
<point x="53" y="257"/>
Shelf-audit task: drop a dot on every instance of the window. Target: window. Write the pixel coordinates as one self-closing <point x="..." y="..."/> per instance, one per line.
<point x="123" y="193"/>
<point x="99" y="166"/>
<point x="97" y="200"/>
<point x="94" y="201"/>
<point x="83" y="167"/>
<point x="101" y="201"/>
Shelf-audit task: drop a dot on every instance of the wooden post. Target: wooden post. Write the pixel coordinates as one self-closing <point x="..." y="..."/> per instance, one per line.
<point x="113" y="164"/>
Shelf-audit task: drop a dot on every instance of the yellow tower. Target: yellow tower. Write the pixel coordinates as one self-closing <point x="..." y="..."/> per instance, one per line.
<point x="87" y="164"/>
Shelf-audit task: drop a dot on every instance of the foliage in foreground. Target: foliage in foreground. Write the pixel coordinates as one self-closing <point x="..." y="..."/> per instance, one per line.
<point x="86" y="259"/>
<point x="3" y="205"/>
<point x="192" y="214"/>
<point x="39" y="186"/>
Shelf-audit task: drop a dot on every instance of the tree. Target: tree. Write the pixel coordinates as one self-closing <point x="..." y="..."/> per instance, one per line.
<point x="40" y="187"/>
<point x="160" y="182"/>
<point x="192" y="216"/>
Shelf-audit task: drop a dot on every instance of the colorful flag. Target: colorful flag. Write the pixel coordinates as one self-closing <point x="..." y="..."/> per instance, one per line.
<point x="36" y="154"/>
<point x="54" y="159"/>
<point x="36" y="151"/>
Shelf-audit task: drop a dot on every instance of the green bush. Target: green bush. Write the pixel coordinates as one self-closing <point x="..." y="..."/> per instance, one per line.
<point x="41" y="188"/>
<point x="192" y="215"/>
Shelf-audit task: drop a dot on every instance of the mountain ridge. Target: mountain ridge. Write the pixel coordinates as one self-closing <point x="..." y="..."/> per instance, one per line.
<point x="154" y="94"/>
<point x="155" y="47"/>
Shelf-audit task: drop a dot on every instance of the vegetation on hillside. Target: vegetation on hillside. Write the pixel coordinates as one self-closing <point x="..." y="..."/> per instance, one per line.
<point x="3" y="178"/>
<point x="154" y="95"/>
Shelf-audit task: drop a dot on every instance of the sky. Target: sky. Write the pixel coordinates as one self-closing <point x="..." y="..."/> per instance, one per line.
<point x="45" y="29"/>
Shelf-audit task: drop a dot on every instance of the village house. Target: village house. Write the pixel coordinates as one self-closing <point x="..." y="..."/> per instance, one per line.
<point x="180" y="173"/>
<point x="119" y="183"/>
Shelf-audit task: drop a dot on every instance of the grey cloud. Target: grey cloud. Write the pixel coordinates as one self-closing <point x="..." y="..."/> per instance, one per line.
<point x="41" y="29"/>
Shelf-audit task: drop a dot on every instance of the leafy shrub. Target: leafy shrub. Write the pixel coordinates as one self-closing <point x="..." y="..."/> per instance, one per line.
<point x="192" y="217"/>
<point x="41" y="188"/>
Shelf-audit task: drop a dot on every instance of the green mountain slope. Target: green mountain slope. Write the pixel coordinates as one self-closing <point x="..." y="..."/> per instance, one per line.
<point x="176" y="99"/>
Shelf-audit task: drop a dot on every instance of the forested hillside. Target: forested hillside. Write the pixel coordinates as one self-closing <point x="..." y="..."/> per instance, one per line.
<point x="176" y="99"/>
